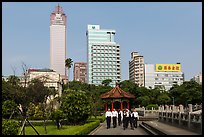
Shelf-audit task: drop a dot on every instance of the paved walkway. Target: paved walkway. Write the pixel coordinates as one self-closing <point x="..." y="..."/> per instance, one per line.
<point x="170" y="128"/>
<point x="102" y="130"/>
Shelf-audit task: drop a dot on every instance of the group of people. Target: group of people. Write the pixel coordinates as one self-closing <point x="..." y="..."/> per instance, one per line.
<point x="124" y="117"/>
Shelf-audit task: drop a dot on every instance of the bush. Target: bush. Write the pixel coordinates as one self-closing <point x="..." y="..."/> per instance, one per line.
<point x="149" y="107"/>
<point x="9" y="107"/>
<point x="87" y="128"/>
<point x="76" y="106"/>
<point x="10" y="127"/>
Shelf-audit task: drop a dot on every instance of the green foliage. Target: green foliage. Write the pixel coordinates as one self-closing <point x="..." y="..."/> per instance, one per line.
<point x="106" y="82"/>
<point x="68" y="63"/>
<point x="163" y="98"/>
<point x="76" y="106"/>
<point x="190" y="92"/>
<point x="65" y="130"/>
<point x="87" y="128"/>
<point x="128" y="86"/>
<point x="57" y="115"/>
<point x="35" y="112"/>
<point x="150" y="106"/>
<point x="143" y="100"/>
<point x="9" y="107"/>
<point x="9" y="127"/>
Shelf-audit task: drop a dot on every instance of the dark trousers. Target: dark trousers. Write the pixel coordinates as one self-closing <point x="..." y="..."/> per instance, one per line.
<point x="124" y="122"/>
<point x="132" y="122"/>
<point x="135" y="122"/>
<point x="114" y="122"/>
<point x="108" y="121"/>
<point x="119" y="120"/>
<point x="127" y="122"/>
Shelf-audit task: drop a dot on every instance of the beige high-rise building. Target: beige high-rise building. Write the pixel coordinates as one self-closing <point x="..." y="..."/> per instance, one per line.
<point x="80" y="69"/>
<point x="58" y="41"/>
<point x="136" y="69"/>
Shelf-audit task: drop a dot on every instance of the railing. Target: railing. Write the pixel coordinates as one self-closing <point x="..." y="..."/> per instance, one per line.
<point x="182" y="118"/>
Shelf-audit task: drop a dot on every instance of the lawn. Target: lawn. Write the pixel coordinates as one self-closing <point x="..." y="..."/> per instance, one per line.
<point x="65" y="129"/>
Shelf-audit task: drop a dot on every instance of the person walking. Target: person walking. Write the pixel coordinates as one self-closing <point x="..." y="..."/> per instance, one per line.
<point x="115" y="116"/>
<point x="135" y="117"/>
<point x="127" y="118"/>
<point x="124" y="119"/>
<point x="108" y="116"/>
<point x="120" y="116"/>
<point x="132" y="119"/>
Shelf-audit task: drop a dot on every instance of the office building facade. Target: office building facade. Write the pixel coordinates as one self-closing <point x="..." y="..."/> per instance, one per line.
<point x="136" y="69"/>
<point x="164" y="75"/>
<point x="103" y="56"/>
<point x="80" y="70"/>
<point x="58" y="41"/>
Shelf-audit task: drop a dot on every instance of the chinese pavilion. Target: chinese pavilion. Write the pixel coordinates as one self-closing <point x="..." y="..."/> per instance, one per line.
<point x="117" y="98"/>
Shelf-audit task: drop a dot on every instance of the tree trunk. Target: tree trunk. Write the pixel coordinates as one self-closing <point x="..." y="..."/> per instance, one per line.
<point x="44" y="118"/>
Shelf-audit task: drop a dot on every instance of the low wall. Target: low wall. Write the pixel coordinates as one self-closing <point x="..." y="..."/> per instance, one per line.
<point x="186" y="120"/>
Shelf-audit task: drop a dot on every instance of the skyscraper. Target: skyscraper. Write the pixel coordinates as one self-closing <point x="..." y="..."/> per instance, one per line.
<point x="136" y="69"/>
<point x="58" y="41"/>
<point x="103" y="56"/>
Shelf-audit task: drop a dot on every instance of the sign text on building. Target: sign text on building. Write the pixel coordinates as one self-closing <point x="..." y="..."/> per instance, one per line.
<point x="168" y="67"/>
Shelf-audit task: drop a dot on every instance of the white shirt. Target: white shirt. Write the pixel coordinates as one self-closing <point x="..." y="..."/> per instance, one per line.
<point x="115" y="114"/>
<point x="108" y="114"/>
<point x="135" y="114"/>
<point x="121" y="113"/>
<point x="128" y="113"/>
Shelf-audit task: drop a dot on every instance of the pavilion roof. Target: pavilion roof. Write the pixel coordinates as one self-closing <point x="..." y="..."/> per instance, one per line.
<point x="117" y="92"/>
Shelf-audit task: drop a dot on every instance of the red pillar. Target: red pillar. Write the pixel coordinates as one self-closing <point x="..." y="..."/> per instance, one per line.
<point x="121" y="105"/>
<point x="106" y="106"/>
<point x="128" y="105"/>
<point x="112" y="106"/>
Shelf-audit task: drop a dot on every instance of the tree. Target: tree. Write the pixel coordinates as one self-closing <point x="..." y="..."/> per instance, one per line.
<point x="106" y="82"/>
<point x="57" y="115"/>
<point x="68" y="64"/>
<point x="190" y="92"/>
<point x="128" y="86"/>
<point x="14" y="80"/>
<point x="9" y="108"/>
<point x="76" y="106"/>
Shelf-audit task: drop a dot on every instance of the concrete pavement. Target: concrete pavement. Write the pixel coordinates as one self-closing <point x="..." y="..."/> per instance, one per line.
<point x="102" y="130"/>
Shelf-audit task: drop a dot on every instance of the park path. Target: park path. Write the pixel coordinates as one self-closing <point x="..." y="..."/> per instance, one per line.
<point x="102" y="130"/>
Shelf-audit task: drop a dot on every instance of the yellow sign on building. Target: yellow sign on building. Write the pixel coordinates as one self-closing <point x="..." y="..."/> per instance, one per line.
<point x="168" y="67"/>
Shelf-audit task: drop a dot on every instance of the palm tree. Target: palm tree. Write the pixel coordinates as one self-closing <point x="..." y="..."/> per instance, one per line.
<point x="68" y="64"/>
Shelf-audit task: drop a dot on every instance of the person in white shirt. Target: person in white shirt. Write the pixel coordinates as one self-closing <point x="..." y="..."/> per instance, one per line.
<point x="136" y="118"/>
<point x="120" y="116"/>
<point x="127" y="119"/>
<point x="108" y="116"/>
<point x="115" y="116"/>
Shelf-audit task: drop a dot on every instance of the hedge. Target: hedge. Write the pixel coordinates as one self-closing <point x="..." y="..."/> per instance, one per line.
<point x="87" y="128"/>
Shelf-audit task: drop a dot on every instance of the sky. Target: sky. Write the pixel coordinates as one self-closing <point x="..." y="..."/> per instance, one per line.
<point x="162" y="32"/>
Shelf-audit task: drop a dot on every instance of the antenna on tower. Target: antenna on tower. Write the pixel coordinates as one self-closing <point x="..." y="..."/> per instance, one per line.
<point x="58" y="7"/>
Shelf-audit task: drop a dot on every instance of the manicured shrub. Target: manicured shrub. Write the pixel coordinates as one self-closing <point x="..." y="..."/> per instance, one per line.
<point x="10" y="127"/>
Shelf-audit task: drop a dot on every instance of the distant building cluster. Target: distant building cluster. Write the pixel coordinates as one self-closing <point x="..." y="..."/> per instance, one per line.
<point x="103" y="61"/>
<point x="198" y="78"/>
<point x="154" y="75"/>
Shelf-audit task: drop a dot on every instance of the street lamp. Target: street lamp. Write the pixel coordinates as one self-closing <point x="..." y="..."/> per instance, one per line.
<point x="173" y="100"/>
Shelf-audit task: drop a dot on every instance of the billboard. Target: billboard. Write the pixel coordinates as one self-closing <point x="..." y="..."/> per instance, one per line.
<point x="168" y="67"/>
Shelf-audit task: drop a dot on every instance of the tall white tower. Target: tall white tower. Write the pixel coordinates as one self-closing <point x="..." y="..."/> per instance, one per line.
<point x="58" y="41"/>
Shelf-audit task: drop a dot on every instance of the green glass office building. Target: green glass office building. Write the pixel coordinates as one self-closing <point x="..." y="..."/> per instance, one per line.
<point x="103" y="56"/>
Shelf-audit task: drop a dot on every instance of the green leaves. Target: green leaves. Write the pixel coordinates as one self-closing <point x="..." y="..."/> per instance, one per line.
<point x="76" y="106"/>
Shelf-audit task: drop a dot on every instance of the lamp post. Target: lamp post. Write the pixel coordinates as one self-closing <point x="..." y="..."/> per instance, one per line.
<point x="173" y="100"/>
